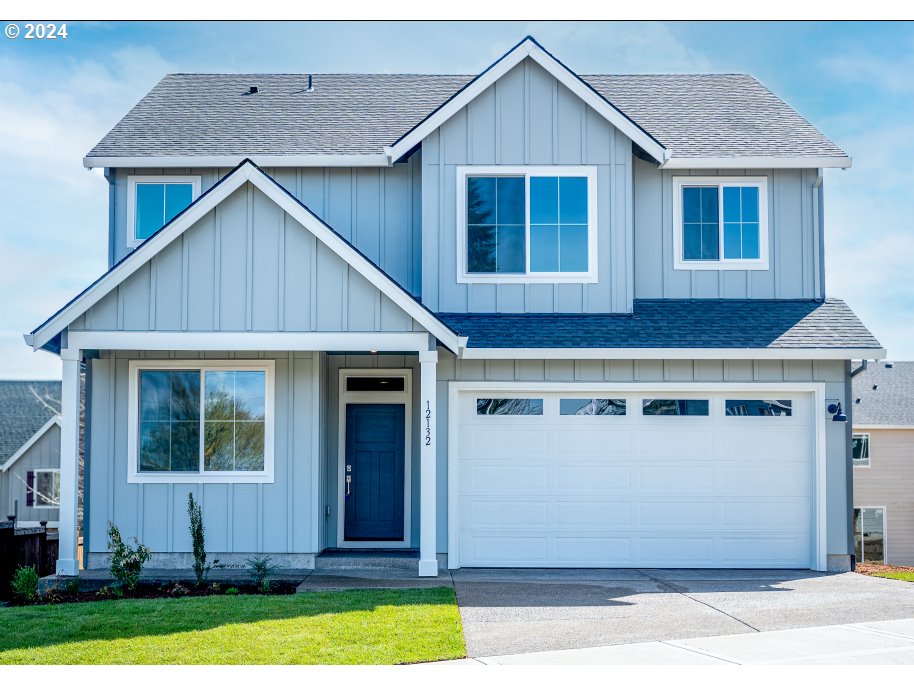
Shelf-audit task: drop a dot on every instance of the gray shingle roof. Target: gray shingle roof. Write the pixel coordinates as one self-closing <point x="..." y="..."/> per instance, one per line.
<point x="884" y="395"/>
<point x="21" y="414"/>
<point x="723" y="324"/>
<point x="695" y="115"/>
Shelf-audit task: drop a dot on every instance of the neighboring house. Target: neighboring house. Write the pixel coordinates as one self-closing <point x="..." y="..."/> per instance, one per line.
<point x="30" y="452"/>
<point x="883" y="457"/>
<point x="527" y="318"/>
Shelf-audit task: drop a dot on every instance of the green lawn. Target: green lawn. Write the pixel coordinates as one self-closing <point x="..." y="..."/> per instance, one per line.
<point x="351" y="627"/>
<point x="896" y="576"/>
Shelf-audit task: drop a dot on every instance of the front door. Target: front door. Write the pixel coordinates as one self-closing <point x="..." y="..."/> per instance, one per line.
<point x="374" y="471"/>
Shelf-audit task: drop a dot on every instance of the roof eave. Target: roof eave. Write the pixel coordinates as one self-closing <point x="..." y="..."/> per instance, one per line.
<point x="758" y="162"/>
<point x="167" y="161"/>
<point x="819" y="353"/>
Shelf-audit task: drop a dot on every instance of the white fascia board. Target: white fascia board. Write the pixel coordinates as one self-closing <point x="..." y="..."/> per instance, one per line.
<point x="243" y="174"/>
<point x="377" y="160"/>
<point x="254" y="341"/>
<point x="756" y="163"/>
<point x="565" y="76"/>
<point x="667" y="353"/>
<point x="53" y="421"/>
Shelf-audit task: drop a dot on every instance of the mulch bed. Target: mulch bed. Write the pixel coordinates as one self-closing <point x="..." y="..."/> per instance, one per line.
<point x="879" y="569"/>
<point x="155" y="590"/>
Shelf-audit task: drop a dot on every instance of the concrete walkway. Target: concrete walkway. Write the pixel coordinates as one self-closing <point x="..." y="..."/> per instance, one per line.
<point x="882" y="642"/>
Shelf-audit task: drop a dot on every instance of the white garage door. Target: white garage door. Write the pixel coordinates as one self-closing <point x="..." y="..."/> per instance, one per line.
<point x="656" y="479"/>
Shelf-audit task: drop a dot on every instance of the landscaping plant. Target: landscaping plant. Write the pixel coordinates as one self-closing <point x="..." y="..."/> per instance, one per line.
<point x="195" y="514"/>
<point x="126" y="562"/>
<point x="260" y="569"/>
<point x="25" y="584"/>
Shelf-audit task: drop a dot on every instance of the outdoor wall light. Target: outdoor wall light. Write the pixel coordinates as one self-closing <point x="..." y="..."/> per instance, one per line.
<point x="839" y="415"/>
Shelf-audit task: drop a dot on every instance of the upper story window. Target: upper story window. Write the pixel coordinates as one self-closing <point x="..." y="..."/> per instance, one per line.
<point x="860" y="449"/>
<point x="529" y="224"/>
<point x="153" y="201"/>
<point x="720" y="222"/>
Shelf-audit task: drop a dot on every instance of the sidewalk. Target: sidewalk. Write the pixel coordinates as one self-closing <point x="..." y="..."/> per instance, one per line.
<point x="881" y="642"/>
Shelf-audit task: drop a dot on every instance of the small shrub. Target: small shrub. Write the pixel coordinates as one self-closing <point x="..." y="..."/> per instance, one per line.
<point x="260" y="569"/>
<point x="232" y="591"/>
<point x="195" y="514"/>
<point x="179" y="591"/>
<point x="215" y="588"/>
<point x="72" y="586"/>
<point x="126" y="562"/>
<point x="25" y="584"/>
<point x="105" y="592"/>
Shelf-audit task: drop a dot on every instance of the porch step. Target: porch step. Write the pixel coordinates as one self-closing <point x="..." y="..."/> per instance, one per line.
<point x="368" y="559"/>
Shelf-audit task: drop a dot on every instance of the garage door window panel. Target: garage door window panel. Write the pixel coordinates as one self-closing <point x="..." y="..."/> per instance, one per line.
<point x="759" y="408"/>
<point x="509" y="406"/>
<point x="591" y="407"/>
<point x="669" y="407"/>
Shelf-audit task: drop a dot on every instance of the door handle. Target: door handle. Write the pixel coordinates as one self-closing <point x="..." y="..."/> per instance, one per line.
<point x="348" y="482"/>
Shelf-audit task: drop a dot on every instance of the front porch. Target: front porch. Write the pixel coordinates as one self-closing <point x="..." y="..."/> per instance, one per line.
<point x="295" y="506"/>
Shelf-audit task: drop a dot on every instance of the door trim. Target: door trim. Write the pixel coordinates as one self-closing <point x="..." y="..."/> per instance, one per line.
<point x="404" y="397"/>
<point x="816" y="390"/>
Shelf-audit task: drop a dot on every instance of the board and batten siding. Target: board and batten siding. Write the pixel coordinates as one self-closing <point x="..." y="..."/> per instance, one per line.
<point x="887" y="483"/>
<point x="44" y="454"/>
<point x="527" y="118"/>
<point x="795" y="240"/>
<point x="239" y="518"/>
<point x="246" y="266"/>
<point x="832" y="373"/>
<point x="377" y="209"/>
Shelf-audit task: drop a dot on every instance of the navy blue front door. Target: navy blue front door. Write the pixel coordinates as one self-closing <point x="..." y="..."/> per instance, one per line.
<point x="375" y="460"/>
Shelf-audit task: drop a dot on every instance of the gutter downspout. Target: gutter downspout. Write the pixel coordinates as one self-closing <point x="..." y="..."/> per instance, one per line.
<point x="818" y="223"/>
<point x="848" y="462"/>
<point x="109" y="176"/>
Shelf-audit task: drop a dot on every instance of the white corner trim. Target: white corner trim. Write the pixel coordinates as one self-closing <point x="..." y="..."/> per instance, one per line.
<point x="201" y="161"/>
<point x="134" y="180"/>
<point x="528" y="48"/>
<point x="53" y="421"/>
<point x="757" y="162"/>
<point x="528" y="171"/>
<point x="244" y="174"/>
<point x="721" y="264"/>
<point x="667" y="353"/>
<point x="268" y="366"/>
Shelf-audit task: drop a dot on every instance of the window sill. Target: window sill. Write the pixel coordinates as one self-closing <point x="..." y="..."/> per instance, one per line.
<point x="732" y="265"/>
<point x="522" y="279"/>
<point x="200" y="478"/>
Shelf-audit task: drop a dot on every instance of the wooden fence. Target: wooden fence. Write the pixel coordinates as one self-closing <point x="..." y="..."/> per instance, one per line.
<point x="25" y="547"/>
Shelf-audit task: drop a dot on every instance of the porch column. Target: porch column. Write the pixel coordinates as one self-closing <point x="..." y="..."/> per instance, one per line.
<point x="428" y="440"/>
<point x="67" y="562"/>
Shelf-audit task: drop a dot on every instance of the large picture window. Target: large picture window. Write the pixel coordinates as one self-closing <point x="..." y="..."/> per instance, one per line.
<point x="720" y="222"/>
<point x="869" y="535"/>
<point x="527" y="223"/>
<point x="202" y="422"/>
<point x="153" y="201"/>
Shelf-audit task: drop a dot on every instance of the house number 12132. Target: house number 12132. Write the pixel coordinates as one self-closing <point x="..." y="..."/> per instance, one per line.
<point x="428" y="423"/>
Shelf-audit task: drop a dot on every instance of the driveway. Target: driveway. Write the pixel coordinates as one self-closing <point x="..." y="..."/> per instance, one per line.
<point x="519" y="610"/>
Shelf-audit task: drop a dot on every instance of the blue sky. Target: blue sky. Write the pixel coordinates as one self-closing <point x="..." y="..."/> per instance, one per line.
<point x="852" y="80"/>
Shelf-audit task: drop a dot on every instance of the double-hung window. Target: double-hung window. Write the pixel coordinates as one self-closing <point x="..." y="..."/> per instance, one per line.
<point x="526" y="224"/>
<point x="201" y="421"/>
<point x="720" y="222"/>
<point x="153" y="201"/>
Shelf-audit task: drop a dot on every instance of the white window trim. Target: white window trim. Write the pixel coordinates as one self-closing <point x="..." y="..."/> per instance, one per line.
<point x="35" y="498"/>
<point x="132" y="181"/>
<point x="721" y="264"/>
<point x="869" y="456"/>
<point x="885" y="533"/>
<point x="589" y="172"/>
<point x="134" y="475"/>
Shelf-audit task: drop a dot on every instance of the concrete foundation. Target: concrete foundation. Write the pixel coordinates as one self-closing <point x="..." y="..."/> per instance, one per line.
<point x="185" y="560"/>
<point x="839" y="563"/>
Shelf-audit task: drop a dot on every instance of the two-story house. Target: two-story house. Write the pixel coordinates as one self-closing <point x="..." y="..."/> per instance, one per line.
<point x="523" y="318"/>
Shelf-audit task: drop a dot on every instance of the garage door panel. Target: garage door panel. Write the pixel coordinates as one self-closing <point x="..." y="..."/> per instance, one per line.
<point x="593" y="515"/>
<point x="771" y="516"/>
<point x="656" y="441"/>
<point x="575" y="550"/>
<point x="503" y="477"/>
<point x="636" y="491"/>
<point x="787" y="480"/>
<point x="671" y="478"/>
<point x="588" y="478"/>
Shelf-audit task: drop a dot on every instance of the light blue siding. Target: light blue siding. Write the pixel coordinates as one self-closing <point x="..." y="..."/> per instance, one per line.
<point x="247" y="266"/>
<point x="794" y="243"/>
<point x="43" y="454"/>
<point x="245" y="518"/>
<point x="377" y="209"/>
<point x="526" y="117"/>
